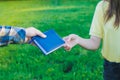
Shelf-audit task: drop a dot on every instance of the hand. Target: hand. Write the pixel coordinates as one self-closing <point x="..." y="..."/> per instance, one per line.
<point x="30" y="32"/>
<point x="70" y="41"/>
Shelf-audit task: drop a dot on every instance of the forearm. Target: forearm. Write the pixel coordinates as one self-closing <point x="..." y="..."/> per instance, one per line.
<point x="10" y="34"/>
<point x="90" y="44"/>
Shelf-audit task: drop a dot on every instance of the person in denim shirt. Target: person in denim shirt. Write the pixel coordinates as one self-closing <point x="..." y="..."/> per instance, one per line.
<point x="15" y="35"/>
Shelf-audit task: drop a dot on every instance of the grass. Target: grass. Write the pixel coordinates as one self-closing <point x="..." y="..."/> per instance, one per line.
<point x="26" y="62"/>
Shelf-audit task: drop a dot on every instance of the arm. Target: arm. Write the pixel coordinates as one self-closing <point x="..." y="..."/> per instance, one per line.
<point x="96" y="29"/>
<point x="90" y="44"/>
<point x="10" y="34"/>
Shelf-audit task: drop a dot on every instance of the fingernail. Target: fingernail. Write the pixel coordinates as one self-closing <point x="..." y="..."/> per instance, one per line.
<point x="44" y="36"/>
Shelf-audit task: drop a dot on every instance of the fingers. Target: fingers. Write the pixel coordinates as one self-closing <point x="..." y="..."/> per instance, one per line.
<point x="40" y="34"/>
<point x="33" y="32"/>
<point x="69" y="38"/>
<point x="67" y="47"/>
<point x="65" y="38"/>
<point x="70" y="41"/>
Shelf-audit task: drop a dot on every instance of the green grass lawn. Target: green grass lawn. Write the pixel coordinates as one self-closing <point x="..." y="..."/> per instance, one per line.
<point x="26" y="62"/>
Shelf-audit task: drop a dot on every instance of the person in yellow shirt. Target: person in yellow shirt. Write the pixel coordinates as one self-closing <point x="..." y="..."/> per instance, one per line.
<point x="106" y="27"/>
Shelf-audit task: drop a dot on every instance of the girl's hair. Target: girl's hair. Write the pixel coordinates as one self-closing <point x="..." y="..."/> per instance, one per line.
<point x="113" y="9"/>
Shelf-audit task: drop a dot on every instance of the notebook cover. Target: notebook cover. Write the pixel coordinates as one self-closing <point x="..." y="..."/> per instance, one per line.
<point x="49" y="44"/>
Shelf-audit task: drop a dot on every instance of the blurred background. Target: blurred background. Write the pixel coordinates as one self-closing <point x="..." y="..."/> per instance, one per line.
<point x="27" y="62"/>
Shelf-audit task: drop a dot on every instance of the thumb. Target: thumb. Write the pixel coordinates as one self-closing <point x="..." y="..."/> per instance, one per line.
<point x="69" y="38"/>
<point x="39" y="33"/>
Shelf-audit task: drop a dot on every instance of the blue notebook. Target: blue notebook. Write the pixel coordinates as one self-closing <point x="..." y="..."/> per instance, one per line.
<point x="49" y="44"/>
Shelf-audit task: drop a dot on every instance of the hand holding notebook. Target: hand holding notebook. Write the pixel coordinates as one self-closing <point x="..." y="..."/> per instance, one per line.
<point x="49" y="44"/>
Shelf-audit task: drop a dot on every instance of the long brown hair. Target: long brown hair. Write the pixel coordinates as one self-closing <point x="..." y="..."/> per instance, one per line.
<point x="113" y="9"/>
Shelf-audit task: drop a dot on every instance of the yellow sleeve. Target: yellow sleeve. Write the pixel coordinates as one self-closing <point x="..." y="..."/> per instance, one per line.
<point x="97" y="22"/>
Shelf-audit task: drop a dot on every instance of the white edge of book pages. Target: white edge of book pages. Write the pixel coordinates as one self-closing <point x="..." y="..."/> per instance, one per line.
<point x="54" y="49"/>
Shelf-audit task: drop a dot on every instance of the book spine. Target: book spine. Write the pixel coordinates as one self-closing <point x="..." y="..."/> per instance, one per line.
<point x="40" y="46"/>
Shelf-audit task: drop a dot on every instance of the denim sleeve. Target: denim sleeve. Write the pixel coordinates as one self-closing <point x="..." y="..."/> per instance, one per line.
<point x="10" y="34"/>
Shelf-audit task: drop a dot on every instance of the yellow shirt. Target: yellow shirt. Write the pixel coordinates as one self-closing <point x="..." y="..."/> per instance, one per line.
<point x="107" y="32"/>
